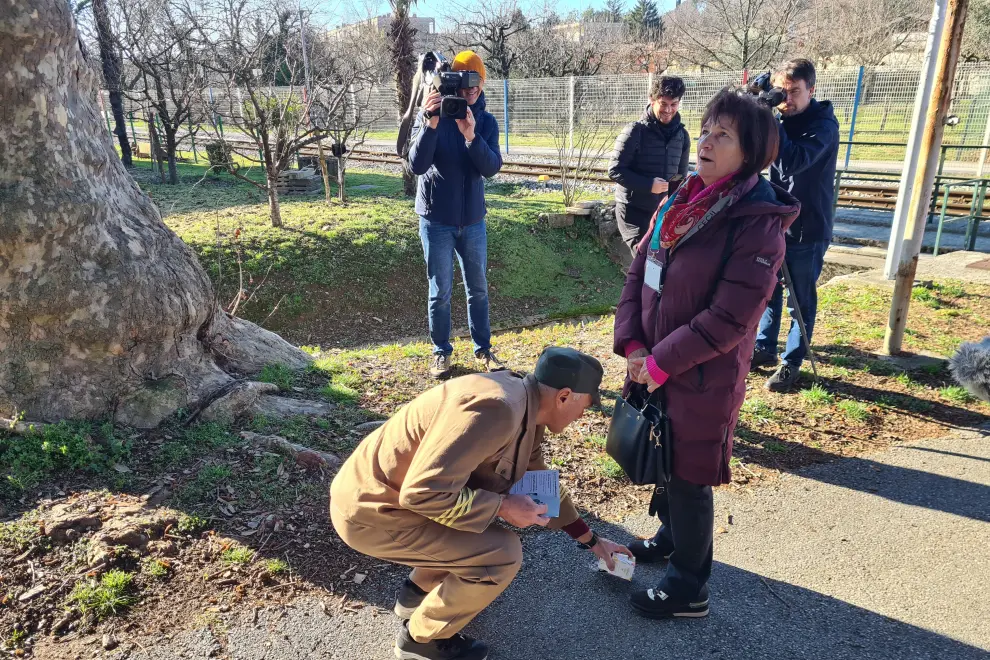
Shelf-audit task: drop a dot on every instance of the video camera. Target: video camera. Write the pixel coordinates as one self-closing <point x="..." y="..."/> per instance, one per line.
<point x="763" y="90"/>
<point x="437" y="75"/>
<point x="434" y="73"/>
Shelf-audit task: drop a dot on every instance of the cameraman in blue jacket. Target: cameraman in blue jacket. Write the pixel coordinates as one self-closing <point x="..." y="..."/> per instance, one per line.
<point x="452" y="158"/>
<point x="805" y="167"/>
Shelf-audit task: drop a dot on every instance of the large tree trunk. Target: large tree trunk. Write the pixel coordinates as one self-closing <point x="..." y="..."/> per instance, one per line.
<point x="400" y="43"/>
<point x="111" y="74"/>
<point x="103" y="309"/>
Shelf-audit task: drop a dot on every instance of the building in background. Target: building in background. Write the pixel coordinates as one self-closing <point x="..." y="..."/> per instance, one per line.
<point x="426" y="30"/>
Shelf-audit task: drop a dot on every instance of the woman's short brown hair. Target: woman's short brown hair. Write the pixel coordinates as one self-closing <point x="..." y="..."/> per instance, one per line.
<point x="754" y="123"/>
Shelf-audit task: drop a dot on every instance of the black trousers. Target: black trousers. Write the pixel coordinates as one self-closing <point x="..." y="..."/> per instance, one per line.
<point x="687" y="512"/>
<point x="633" y="223"/>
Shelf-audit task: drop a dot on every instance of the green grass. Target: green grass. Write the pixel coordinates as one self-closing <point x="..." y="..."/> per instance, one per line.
<point x="278" y="374"/>
<point x="925" y="296"/>
<point x="934" y="369"/>
<point x="340" y="393"/>
<point x="608" y="467"/>
<point x="203" y="487"/>
<point x="817" y="397"/>
<point x="16" y="639"/>
<point x="907" y="380"/>
<point x="369" y="251"/>
<point x="109" y="595"/>
<point x="276" y="566"/>
<point x="597" y="440"/>
<point x="776" y="447"/>
<point x="192" y="442"/>
<point x="842" y="361"/>
<point x="191" y="523"/>
<point x="854" y="410"/>
<point x="156" y="568"/>
<point x="956" y="394"/>
<point x="237" y="556"/>
<point x="759" y="410"/>
<point x="16" y="534"/>
<point x="59" y="448"/>
<point x="879" y="368"/>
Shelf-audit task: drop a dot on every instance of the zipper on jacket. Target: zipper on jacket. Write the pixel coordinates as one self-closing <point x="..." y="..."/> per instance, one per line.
<point x="701" y="375"/>
<point x="723" y="463"/>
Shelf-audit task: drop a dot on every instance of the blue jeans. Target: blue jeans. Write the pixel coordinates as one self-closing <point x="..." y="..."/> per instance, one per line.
<point x="804" y="261"/>
<point x="470" y="244"/>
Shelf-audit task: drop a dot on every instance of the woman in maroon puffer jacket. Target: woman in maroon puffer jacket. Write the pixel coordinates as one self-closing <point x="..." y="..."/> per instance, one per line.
<point x="713" y="251"/>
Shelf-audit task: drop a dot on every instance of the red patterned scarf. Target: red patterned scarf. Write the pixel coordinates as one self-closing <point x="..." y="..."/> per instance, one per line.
<point x="693" y="203"/>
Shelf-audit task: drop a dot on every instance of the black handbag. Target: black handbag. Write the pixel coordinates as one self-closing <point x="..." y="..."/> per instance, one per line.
<point x="639" y="438"/>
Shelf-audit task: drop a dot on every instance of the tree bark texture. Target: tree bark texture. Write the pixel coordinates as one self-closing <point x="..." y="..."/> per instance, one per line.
<point x="104" y="311"/>
<point x="110" y="59"/>
<point x="401" y="36"/>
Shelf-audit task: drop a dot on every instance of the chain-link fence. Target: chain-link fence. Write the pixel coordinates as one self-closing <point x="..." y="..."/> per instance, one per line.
<point x="873" y="105"/>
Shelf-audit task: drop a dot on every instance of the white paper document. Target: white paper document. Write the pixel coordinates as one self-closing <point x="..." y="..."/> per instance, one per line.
<point x="543" y="486"/>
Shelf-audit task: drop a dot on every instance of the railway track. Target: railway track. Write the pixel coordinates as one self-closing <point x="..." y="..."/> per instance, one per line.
<point x="851" y="194"/>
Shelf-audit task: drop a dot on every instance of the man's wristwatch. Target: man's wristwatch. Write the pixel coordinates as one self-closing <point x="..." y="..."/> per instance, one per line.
<point x="591" y="543"/>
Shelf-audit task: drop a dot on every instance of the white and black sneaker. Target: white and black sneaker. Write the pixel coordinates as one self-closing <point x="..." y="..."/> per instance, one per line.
<point x="648" y="551"/>
<point x="408" y="599"/>
<point x="657" y="604"/>
<point x="458" y="647"/>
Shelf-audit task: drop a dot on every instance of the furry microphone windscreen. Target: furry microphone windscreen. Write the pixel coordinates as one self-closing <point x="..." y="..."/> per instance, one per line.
<point x="970" y="366"/>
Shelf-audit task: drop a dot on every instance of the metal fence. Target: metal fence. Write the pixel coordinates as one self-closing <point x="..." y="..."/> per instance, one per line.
<point x="873" y="105"/>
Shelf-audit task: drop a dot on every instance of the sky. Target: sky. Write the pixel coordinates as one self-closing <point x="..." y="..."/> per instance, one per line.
<point x="337" y="12"/>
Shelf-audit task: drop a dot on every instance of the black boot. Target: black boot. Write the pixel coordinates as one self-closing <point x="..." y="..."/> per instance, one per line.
<point x="408" y="599"/>
<point x="458" y="647"/>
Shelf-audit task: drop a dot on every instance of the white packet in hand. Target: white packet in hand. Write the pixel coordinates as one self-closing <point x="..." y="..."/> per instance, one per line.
<point x="624" y="566"/>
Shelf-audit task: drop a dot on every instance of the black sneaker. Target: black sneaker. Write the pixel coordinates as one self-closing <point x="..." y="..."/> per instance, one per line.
<point x="657" y="604"/>
<point x="492" y="363"/>
<point x="408" y="599"/>
<point x="784" y="378"/>
<point x="440" y="365"/>
<point x="649" y="551"/>
<point x="458" y="647"/>
<point x="762" y="358"/>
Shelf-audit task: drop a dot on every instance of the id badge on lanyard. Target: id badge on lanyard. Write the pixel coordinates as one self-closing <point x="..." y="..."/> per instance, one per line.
<point x="654" y="273"/>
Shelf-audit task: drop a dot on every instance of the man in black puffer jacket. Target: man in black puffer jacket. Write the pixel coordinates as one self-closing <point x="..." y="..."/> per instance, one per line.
<point x="650" y="158"/>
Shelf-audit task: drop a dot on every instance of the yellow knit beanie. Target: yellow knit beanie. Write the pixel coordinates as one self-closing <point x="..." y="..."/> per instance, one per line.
<point x="468" y="60"/>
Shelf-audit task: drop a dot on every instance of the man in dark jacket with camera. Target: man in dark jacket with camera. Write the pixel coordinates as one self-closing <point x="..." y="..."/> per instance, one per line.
<point x="452" y="158"/>
<point x="649" y="159"/>
<point x="805" y="167"/>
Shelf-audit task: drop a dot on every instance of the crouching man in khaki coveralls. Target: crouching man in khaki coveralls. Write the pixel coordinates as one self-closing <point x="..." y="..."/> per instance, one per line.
<point x="424" y="489"/>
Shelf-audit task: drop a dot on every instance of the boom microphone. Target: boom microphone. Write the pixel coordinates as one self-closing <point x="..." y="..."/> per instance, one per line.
<point x="970" y="366"/>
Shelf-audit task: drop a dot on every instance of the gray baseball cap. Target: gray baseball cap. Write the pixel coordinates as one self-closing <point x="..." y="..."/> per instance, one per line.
<point x="559" y="367"/>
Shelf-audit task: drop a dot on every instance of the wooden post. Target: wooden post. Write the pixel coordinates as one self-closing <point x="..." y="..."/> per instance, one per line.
<point x="945" y="73"/>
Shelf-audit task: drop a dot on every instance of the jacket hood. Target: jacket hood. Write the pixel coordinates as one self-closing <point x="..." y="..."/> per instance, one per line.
<point x="768" y="199"/>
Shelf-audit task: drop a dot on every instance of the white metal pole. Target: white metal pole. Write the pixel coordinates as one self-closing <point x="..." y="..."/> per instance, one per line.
<point x="983" y="152"/>
<point x="936" y="29"/>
